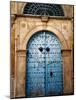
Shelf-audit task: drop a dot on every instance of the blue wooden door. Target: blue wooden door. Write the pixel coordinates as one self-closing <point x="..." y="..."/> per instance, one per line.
<point x="44" y="65"/>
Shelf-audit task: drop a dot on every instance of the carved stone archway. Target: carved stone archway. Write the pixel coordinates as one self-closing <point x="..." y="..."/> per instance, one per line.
<point x="48" y="28"/>
<point x="66" y="54"/>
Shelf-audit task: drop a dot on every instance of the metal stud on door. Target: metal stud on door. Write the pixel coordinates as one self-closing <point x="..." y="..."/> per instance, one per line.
<point x="44" y="65"/>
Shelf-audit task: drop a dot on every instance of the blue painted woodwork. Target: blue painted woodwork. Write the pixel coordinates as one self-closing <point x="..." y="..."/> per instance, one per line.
<point x="44" y="65"/>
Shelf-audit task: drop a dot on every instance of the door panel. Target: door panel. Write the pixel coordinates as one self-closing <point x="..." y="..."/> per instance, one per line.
<point x="35" y="58"/>
<point x="44" y="65"/>
<point x="53" y="65"/>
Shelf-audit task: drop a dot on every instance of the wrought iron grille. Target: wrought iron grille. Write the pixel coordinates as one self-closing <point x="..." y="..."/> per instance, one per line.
<point x="43" y="9"/>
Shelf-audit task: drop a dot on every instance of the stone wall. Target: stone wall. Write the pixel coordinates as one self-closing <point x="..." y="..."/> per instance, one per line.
<point x="22" y="28"/>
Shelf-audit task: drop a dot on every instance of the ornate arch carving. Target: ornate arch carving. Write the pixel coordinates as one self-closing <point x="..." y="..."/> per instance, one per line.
<point x="48" y="28"/>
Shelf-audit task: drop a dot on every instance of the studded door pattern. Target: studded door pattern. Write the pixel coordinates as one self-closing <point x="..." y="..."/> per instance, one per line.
<point x="44" y="65"/>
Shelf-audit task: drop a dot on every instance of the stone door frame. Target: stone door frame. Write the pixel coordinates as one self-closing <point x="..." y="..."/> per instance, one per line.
<point x="20" y="88"/>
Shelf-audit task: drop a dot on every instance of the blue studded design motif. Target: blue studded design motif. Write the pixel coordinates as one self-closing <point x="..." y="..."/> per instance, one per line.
<point x="44" y="65"/>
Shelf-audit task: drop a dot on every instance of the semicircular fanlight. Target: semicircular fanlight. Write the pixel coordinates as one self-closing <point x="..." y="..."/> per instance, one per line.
<point x="43" y="9"/>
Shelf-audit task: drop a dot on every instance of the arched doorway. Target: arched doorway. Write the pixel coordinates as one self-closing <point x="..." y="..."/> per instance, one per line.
<point x="44" y="65"/>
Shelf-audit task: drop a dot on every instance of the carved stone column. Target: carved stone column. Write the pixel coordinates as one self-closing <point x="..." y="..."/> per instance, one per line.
<point x="67" y="71"/>
<point x="21" y="70"/>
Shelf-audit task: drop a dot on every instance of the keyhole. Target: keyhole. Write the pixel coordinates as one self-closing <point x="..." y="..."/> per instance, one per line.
<point x="51" y="74"/>
<point x="40" y="49"/>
